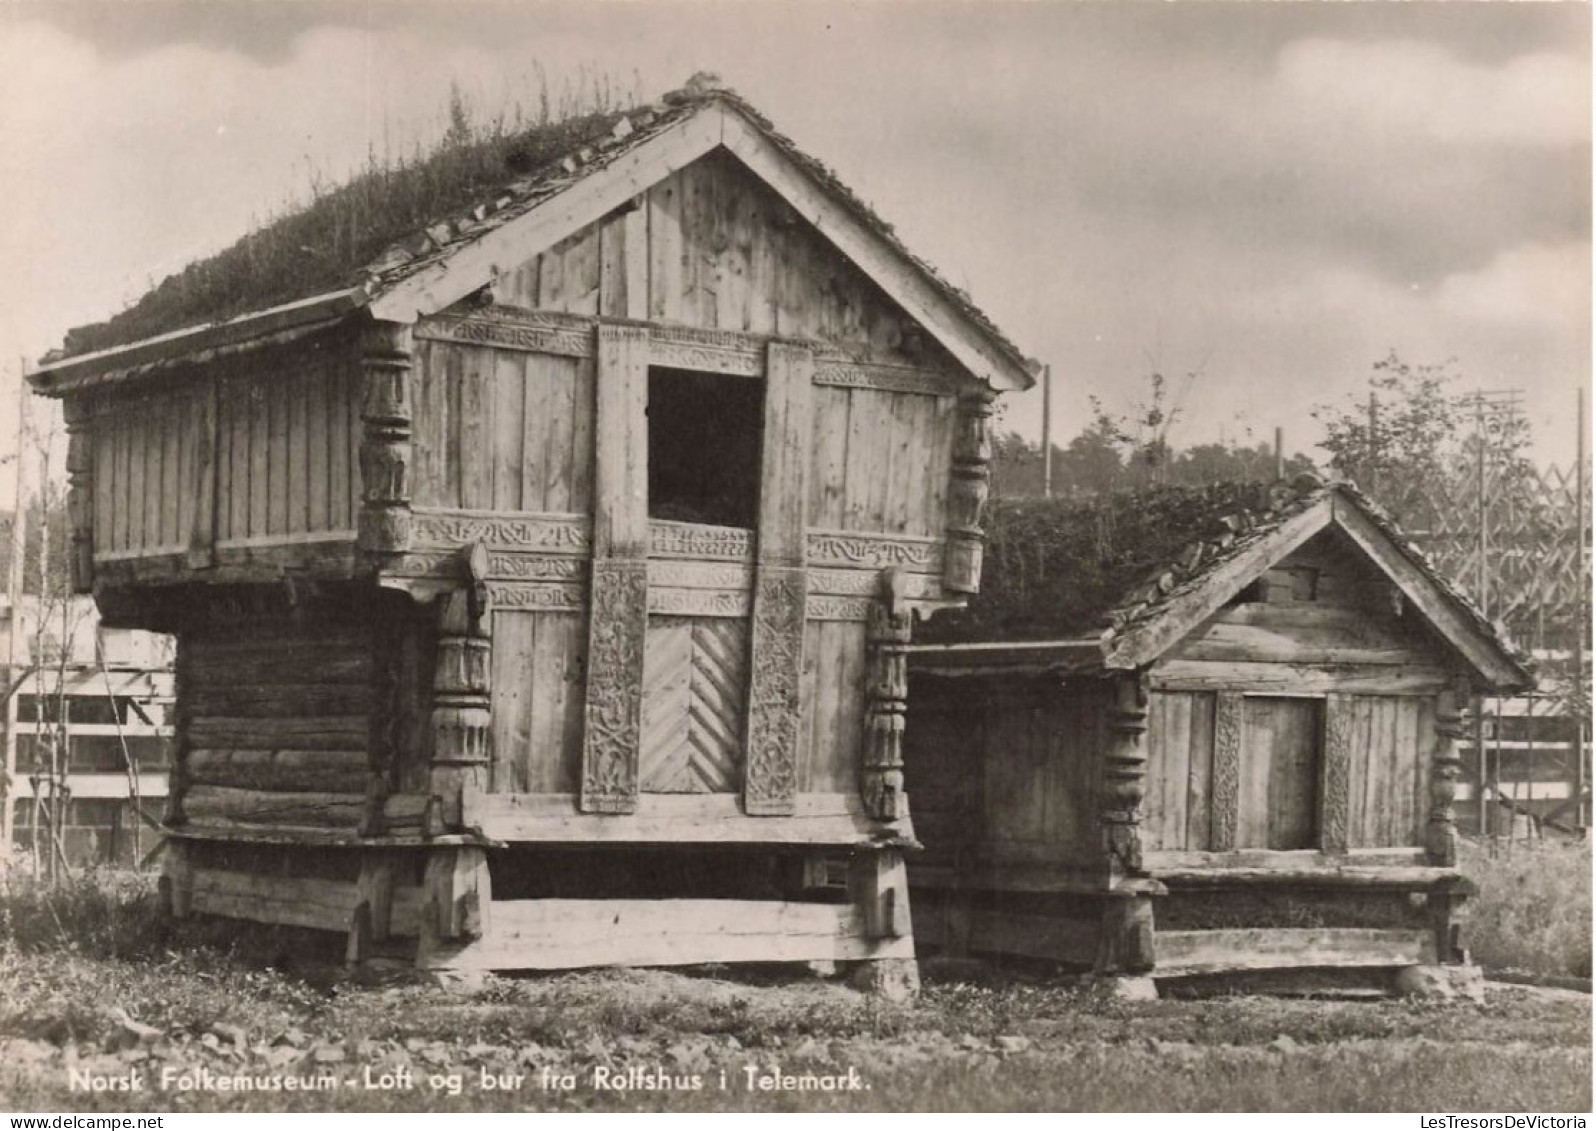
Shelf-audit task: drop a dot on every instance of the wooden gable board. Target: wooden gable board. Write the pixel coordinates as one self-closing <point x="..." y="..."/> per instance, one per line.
<point x="462" y="271"/>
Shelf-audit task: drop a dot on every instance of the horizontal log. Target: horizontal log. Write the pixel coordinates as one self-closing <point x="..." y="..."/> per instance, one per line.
<point x="1366" y="879"/>
<point x="279" y="668"/>
<point x="335" y="560"/>
<point x="272" y="700"/>
<point x="291" y="771"/>
<point x="1027" y="878"/>
<point x="703" y="818"/>
<point x="1284" y="860"/>
<point x="1060" y="939"/>
<point x="286" y="900"/>
<point x="558" y="934"/>
<point x="1183" y="953"/>
<point x="203" y="804"/>
<point x="335" y="732"/>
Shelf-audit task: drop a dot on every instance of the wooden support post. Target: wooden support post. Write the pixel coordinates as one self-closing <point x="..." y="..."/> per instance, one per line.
<point x="1445" y="897"/>
<point x="372" y="921"/>
<point x="462" y="724"/>
<point x="456" y="901"/>
<point x="385" y="519"/>
<point x="1335" y="774"/>
<point x="886" y="699"/>
<point x="78" y="412"/>
<point x="1446" y="765"/>
<point x="776" y="641"/>
<point x="878" y="885"/>
<point x="618" y="593"/>
<point x="1125" y="776"/>
<point x="1126" y="943"/>
<point x="177" y="779"/>
<point x="177" y="878"/>
<point x="967" y="492"/>
<point x="1225" y="800"/>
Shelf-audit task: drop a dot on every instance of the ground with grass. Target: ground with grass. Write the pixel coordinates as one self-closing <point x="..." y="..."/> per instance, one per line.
<point x="97" y="989"/>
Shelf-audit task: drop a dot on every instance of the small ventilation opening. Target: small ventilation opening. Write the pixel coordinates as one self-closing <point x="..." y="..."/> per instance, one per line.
<point x="703" y="447"/>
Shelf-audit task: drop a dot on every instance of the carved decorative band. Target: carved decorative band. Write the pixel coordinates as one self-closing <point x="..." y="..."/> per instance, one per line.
<point x="613" y="712"/>
<point x="699" y="602"/>
<point x="874" y="551"/>
<point x="837" y="608"/>
<point x="569" y="534"/>
<point x="867" y="583"/>
<point x="537" y="595"/>
<point x="502" y="566"/>
<point x="690" y="540"/>
<point x="776" y="644"/>
<point x="706" y="357"/>
<point x="700" y="575"/>
<point x="566" y="340"/>
<point x="887" y="378"/>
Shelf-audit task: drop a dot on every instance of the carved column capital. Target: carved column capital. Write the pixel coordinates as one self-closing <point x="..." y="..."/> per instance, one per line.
<point x="1125" y="773"/>
<point x="967" y="492"/>
<point x="887" y="633"/>
<point x="385" y="449"/>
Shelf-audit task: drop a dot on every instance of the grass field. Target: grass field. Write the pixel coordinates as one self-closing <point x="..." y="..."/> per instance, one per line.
<point x="95" y="988"/>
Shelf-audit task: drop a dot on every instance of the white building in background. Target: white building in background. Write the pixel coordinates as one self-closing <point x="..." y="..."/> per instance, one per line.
<point x="88" y="732"/>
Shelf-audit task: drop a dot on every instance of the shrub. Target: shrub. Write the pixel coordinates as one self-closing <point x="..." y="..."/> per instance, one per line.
<point x="1533" y="912"/>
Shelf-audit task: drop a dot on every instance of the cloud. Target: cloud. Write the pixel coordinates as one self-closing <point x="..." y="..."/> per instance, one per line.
<point x="1418" y="89"/>
<point x="1528" y="286"/>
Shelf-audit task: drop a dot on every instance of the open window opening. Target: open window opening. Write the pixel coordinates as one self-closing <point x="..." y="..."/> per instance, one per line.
<point x="704" y="433"/>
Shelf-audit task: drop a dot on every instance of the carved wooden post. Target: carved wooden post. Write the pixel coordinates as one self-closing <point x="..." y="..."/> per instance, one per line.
<point x="461" y="720"/>
<point x="1335" y="774"/>
<point x="78" y="411"/>
<point x="1125" y="775"/>
<point x="385" y="359"/>
<point x="972" y="455"/>
<point x="1225" y="790"/>
<point x="886" y="699"/>
<point x="1446" y="766"/>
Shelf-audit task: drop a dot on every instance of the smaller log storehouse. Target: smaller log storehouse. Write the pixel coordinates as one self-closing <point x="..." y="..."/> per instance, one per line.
<point x="1192" y="731"/>
<point x="541" y="571"/>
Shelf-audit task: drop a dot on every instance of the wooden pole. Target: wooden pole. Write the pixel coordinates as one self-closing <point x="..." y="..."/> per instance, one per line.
<point x="1581" y="638"/>
<point x="1047" y="431"/>
<point x="19" y="535"/>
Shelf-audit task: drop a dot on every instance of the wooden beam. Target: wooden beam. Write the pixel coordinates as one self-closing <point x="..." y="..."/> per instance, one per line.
<point x="1284" y="863"/>
<point x="819" y="819"/>
<point x="1439" y="609"/>
<point x="781" y="586"/>
<point x="1146" y="642"/>
<point x="560" y="934"/>
<point x="1183" y="953"/>
<point x="1296" y="679"/>
<point x="904" y="282"/>
<point x="618" y="608"/>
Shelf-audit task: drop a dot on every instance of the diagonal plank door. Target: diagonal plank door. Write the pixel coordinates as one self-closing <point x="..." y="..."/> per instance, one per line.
<point x="694" y="675"/>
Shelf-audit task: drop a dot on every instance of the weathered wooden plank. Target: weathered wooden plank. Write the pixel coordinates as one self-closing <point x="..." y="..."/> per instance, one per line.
<point x="1202" y="952"/>
<point x="508" y="422"/>
<point x="104" y="438"/>
<point x="1335" y="774"/>
<point x="865" y="463"/>
<point x="1296" y="679"/>
<point x="557" y="406"/>
<point x="223" y="524"/>
<point x="620" y="524"/>
<point x="284" y="771"/>
<point x="342" y="449"/>
<point x="686" y="818"/>
<point x="453" y="373"/>
<point x="1350" y="638"/>
<point x="549" y="934"/>
<point x="1226" y="781"/>
<point x="138" y="430"/>
<point x="665" y="250"/>
<point x="239" y="699"/>
<point x="199" y="529"/>
<point x="581" y="446"/>
<point x="296" y="392"/>
<point x="780" y="587"/>
<point x="1301" y="877"/>
<point x="277" y="474"/>
<point x="514" y="669"/>
<point x="1283" y="862"/>
<point x="333" y="732"/>
<point x="166" y="481"/>
<point x="1199" y="773"/>
<point x="318" y="480"/>
<point x="297" y="901"/>
<point x="612" y="267"/>
<point x="1295" y="728"/>
<point x="259" y="397"/>
<point x="202" y="803"/>
<point x="477" y="428"/>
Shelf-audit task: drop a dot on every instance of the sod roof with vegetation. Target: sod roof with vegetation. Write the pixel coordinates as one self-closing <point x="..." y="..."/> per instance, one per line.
<point x="395" y="219"/>
<point x="1061" y="569"/>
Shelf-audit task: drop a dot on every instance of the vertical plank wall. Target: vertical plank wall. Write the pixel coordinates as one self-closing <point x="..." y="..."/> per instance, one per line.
<point x="1180" y="758"/>
<point x="512" y="431"/>
<point x="286" y="451"/>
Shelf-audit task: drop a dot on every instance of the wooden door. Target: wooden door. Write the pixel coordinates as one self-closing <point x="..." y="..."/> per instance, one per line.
<point x="1279" y="773"/>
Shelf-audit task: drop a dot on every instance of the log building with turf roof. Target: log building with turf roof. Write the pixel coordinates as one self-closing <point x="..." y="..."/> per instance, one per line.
<point x="1185" y="732"/>
<point x="541" y="527"/>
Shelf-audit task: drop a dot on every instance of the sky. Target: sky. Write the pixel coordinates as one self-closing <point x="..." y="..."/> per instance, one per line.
<point x="1259" y="200"/>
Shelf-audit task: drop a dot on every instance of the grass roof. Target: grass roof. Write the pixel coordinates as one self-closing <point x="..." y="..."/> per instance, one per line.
<point x="1056" y="568"/>
<point x="325" y="245"/>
